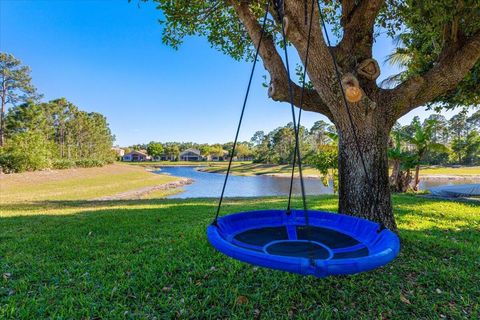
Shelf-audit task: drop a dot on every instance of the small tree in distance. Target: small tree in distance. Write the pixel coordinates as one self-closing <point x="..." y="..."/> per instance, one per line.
<point x="422" y="140"/>
<point x="154" y="149"/>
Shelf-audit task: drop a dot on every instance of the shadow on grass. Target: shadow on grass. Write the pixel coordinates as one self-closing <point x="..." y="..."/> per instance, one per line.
<point x="150" y="258"/>
<point x="326" y="202"/>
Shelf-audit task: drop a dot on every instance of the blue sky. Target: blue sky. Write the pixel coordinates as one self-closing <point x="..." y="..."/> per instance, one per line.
<point x="107" y="56"/>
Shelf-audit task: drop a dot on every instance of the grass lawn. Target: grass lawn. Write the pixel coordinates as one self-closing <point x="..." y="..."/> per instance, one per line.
<point x="249" y="169"/>
<point x="259" y="169"/>
<point x="461" y="171"/>
<point x="76" y="184"/>
<point x="66" y="258"/>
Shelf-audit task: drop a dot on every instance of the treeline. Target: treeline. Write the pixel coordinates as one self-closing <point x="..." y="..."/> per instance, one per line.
<point x="278" y="145"/>
<point x="452" y="141"/>
<point x="54" y="134"/>
<point x="275" y="147"/>
<point x="435" y="141"/>
<point x="172" y="150"/>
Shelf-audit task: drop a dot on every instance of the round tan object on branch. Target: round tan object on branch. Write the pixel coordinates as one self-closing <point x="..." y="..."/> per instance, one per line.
<point x="285" y="25"/>
<point x="271" y="90"/>
<point x="369" y="69"/>
<point x="352" y="89"/>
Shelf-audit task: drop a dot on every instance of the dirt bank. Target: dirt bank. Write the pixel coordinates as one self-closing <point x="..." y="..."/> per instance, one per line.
<point x="141" y="192"/>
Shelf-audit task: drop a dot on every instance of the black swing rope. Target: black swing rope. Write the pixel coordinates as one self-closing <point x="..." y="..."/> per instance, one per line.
<point x="297" y="154"/>
<point x="242" y="113"/>
<point x="301" y="97"/>
<point x="296" y="128"/>
<point x="350" y="118"/>
<point x="279" y="6"/>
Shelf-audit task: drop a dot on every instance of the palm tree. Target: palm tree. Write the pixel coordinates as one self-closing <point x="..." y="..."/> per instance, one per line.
<point x="400" y="58"/>
<point x="402" y="162"/>
<point x="423" y="141"/>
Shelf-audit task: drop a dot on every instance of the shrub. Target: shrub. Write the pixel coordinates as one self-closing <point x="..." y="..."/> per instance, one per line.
<point x="26" y="151"/>
<point x="63" y="164"/>
<point x="89" y="163"/>
<point x="326" y="161"/>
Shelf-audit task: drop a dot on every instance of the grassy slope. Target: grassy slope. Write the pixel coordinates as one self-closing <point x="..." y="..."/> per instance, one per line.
<point x="150" y="259"/>
<point x="259" y="169"/>
<point x="249" y="169"/>
<point x="461" y="171"/>
<point x="74" y="184"/>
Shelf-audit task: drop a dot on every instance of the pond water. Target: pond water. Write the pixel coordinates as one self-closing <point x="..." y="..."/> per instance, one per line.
<point x="210" y="184"/>
<point x="429" y="183"/>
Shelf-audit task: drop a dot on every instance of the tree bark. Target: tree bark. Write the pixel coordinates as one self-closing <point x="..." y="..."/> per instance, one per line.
<point x="394" y="177"/>
<point x="417" y="179"/>
<point x="2" y="123"/>
<point x="365" y="193"/>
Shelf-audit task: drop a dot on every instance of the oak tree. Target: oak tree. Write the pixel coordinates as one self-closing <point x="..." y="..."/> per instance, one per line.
<point x="441" y="39"/>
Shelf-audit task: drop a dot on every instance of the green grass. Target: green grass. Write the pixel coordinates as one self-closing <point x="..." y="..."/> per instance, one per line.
<point x="460" y="171"/>
<point x="149" y="259"/>
<point x="76" y="184"/>
<point x="249" y="169"/>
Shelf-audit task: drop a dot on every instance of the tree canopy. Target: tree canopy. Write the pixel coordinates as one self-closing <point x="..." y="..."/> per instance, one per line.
<point x="429" y="33"/>
<point x="15" y="86"/>
<point x="54" y="134"/>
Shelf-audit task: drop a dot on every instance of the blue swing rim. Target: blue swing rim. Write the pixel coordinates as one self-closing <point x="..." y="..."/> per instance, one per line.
<point x="383" y="244"/>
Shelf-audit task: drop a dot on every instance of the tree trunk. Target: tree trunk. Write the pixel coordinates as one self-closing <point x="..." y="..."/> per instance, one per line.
<point x="361" y="194"/>
<point x="2" y="123"/>
<point x="394" y="178"/>
<point x="417" y="179"/>
<point x="2" y="134"/>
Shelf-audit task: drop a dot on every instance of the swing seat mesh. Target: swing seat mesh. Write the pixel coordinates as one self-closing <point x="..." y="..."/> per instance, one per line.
<point x="331" y="244"/>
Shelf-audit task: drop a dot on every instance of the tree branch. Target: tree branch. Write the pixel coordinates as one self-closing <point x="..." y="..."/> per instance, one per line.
<point x="273" y="63"/>
<point x="358" y="20"/>
<point x="441" y="78"/>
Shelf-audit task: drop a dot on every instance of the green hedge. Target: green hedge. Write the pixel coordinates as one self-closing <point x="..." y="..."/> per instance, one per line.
<point x="63" y="164"/>
<point x="89" y="163"/>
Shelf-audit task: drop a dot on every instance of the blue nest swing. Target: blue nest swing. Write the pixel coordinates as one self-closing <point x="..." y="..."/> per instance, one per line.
<point x="331" y="244"/>
<point x="307" y="242"/>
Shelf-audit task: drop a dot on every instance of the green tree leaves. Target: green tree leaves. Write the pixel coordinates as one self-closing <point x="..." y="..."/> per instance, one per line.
<point x="26" y="151"/>
<point x="65" y="137"/>
<point x="15" y="86"/>
<point x="154" y="149"/>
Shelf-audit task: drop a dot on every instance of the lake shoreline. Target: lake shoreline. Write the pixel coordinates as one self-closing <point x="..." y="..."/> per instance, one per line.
<point x="450" y="177"/>
<point x="318" y="176"/>
<point x="142" y="192"/>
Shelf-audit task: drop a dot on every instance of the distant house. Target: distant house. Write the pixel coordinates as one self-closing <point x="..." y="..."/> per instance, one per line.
<point x="118" y="151"/>
<point x="243" y="158"/>
<point x="219" y="157"/>
<point x="136" y="156"/>
<point x="164" y="157"/>
<point x="191" y="155"/>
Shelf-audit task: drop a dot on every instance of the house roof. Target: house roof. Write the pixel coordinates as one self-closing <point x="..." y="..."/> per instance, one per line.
<point x="195" y="151"/>
<point x="223" y="153"/>
<point x="136" y="152"/>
